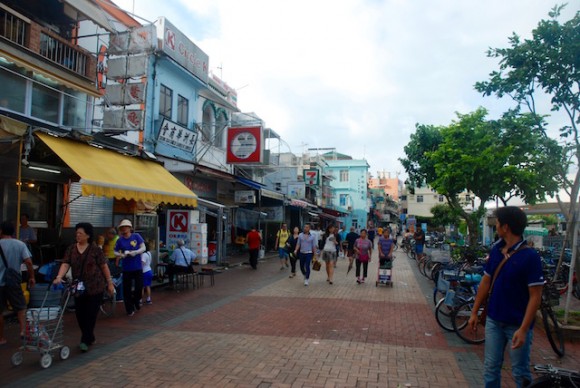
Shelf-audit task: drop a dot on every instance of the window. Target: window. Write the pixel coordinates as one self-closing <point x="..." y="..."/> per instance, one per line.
<point x="403" y="197"/>
<point x="45" y="103"/>
<point x="220" y="130"/>
<point x="207" y="123"/>
<point x="165" y="101"/>
<point x="419" y="198"/>
<point x="182" y="110"/>
<point x="12" y="92"/>
<point x="344" y="175"/>
<point x="75" y="109"/>
<point x="441" y="198"/>
<point x="342" y="199"/>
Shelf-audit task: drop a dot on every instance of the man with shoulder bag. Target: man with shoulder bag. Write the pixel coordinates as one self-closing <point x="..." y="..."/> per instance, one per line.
<point x="13" y="253"/>
<point x="182" y="261"/>
<point x="512" y="286"/>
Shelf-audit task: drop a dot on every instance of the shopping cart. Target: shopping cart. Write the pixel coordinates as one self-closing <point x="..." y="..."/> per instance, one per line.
<point x="385" y="275"/>
<point x="44" y="331"/>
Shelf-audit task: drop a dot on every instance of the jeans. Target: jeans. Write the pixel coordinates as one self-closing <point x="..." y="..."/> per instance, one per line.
<point x="132" y="296"/>
<point x="86" y="311"/>
<point x="497" y="336"/>
<point x="305" y="260"/>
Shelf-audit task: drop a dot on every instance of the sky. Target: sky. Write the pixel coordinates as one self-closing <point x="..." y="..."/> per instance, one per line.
<point x="355" y="75"/>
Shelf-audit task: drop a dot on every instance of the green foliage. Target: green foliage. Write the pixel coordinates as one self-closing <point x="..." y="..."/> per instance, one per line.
<point x="444" y="214"/>
<point x="549" y="219"/>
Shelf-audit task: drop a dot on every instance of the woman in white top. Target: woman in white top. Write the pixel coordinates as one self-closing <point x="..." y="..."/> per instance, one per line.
<point x="329" y="252"/>
<point x="147" y="275"/>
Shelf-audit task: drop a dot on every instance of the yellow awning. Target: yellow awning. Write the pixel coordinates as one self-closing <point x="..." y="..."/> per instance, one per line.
<point x="111" y="174"/>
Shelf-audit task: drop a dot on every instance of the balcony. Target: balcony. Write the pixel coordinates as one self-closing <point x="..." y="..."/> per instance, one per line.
<point x="41" y="41"/>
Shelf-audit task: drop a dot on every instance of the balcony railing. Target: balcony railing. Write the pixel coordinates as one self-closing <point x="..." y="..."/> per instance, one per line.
<point x="40" y="40"/>
<point x="58" y="50"/>
<point x="13" y="28"/>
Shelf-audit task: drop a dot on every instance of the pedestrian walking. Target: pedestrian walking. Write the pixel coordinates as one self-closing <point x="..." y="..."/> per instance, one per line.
<point x="512" y="284"/>
<point x="281" y="238"/>
<point x="385" y="245"/>
<point x="363" y="249"/>
<point x="371" y="233"/>
<point x="128" y="250"/>
<point x="419" y="237"/>
<point x="290" y="247"/>
<point x="329" y="252"/>
<point x="351" y="238"/>
<point x="306" y="248"/>
<point x="90" y="269"/>
<point x="13" y="254"/>
<point x="254" y="241"/>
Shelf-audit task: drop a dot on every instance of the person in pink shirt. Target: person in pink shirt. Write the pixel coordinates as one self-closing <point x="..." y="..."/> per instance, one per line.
<point x="363" y="249"/>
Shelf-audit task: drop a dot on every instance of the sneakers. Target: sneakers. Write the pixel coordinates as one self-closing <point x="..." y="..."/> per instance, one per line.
<point x="292" y="275"/>
<point x="148" y="301"/>
<point x="358" y="280"/>
<point x="131" y="314"/>
<point x="305" y="282"/>
<point x="84" y="347"/>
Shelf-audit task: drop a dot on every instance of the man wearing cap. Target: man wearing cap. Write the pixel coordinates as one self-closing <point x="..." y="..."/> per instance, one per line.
<point x="129" y="247"/>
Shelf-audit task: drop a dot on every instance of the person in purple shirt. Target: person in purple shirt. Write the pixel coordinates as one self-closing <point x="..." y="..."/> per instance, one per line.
<point x="129" y="248"/>
<point x="306" y="248"/>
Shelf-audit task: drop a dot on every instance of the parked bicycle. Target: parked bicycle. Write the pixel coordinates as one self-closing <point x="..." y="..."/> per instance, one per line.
<point x="553" y="377"/>
<point x="550" y="299"/>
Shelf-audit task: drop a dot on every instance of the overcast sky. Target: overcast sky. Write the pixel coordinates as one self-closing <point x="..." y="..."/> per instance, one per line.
<point x="352" y="74"/>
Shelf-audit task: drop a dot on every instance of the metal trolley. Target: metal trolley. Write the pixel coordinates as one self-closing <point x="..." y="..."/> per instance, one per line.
<point x="44" y="331"/>
<point x="385" y="274"/>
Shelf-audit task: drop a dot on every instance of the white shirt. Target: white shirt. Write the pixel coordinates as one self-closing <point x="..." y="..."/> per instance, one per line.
<point x="329" y="244"/>
<point x="146" y="260"/>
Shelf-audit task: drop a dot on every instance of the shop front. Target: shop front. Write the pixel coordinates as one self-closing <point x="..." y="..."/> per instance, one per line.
<point x="64" y="181"/>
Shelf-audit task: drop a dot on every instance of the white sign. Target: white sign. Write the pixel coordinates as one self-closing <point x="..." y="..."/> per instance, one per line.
<point x="177" y="227"/>
<point x="175" y="44"/>
<point x="245" y="196"/>
<point x="176" y="135"/>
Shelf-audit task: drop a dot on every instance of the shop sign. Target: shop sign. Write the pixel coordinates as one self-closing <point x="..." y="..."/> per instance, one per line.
<point x="245" y="196"/>
<point x="123" y="119"/>
<point x="204" y="188"/>
<point x="311" y="177"/>
<point x="273" y="213"/>
<point x="126" y="94"/>
<point x="296" y="190"/>
<point x="177" y="227"/>
<point x="176" y="135"/>
<point x="245" y="145"/>
<point x="176" y="45"/>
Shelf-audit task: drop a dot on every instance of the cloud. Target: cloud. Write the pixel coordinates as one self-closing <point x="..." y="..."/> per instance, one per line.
<point x="355" y="74"/>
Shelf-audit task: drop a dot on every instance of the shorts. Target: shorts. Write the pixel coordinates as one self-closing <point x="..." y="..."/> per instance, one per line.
<point x="350" y="252"/>
<point x="282" y="253"/>
<point x="418" y="248"/>
<point x="328" y="256"/>
<point x="13" y="295"/>
<point x="147" y="278"/>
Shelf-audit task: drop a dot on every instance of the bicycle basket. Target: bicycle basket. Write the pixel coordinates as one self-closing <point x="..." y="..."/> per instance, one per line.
<point x="442" y="284"/>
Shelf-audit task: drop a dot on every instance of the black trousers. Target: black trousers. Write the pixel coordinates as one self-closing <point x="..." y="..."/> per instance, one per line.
<point x="365" y="265"/>
<point x="87" y="310"/>
<point x="293" y="260"/>
<point x="130" y="295"/>
<point x="254" y="258"/>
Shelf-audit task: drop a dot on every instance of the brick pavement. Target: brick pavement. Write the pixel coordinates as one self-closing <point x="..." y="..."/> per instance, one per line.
<point x="262" y="329"/>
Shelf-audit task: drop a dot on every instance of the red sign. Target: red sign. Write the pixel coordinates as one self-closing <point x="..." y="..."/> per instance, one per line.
<point x="178" y="221"/>
<point x="245" y="145"/>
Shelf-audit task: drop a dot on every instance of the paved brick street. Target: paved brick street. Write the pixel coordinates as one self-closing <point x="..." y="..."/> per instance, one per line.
<point x="262" y="329"/>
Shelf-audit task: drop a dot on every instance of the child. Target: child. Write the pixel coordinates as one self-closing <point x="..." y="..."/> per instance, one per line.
<point x="147" y="275"/>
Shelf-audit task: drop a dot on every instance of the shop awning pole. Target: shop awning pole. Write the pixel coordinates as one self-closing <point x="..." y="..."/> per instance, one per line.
<point x="18" y="189"/>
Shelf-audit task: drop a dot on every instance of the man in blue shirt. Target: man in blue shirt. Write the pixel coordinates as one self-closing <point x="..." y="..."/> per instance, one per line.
<point x="182" y="259"/>
<point x="307" y="246"/>
<point x="514" y="300"/>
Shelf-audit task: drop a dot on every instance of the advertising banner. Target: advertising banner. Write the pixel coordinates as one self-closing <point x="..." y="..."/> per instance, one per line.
<point x="245" y="145"/>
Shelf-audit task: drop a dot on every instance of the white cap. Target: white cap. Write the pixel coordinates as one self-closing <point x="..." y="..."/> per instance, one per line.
<point x="126" y="222"/>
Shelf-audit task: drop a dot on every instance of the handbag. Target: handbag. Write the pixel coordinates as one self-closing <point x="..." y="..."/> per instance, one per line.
<point x="485" y="304"/>
<point x="316" y="265"/>
<point x="12" y="277"/>
<point x="77" y="286"/>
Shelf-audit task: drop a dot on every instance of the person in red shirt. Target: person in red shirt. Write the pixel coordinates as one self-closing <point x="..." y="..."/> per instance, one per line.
<point x="254" y="240"/>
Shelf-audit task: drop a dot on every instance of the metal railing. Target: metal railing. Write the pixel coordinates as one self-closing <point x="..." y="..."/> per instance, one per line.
<point x="65" y="54"/>
<point x="13" y="28"/>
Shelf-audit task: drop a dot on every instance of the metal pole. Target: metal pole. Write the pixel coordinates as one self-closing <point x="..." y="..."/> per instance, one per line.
<point x="220" y="235"/>
<point x="571" y="273"/>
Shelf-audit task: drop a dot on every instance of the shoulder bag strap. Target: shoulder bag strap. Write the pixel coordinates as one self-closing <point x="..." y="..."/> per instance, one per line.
<point x="501" y="264"/>
<point x="3" y="258"/>
<point x="184" y="257"/>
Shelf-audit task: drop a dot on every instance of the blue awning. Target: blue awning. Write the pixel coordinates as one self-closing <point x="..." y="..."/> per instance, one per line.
<point x="250" y="183"/>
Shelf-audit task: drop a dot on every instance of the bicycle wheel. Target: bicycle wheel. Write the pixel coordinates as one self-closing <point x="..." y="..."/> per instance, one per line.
<point x="437" y="296"/>
<point x="443" y="313"/>
<point x="553" y="331"/>
<point x="435" y="269"/>
<point x="108" y="304"/>
<point x="460" y="318"/>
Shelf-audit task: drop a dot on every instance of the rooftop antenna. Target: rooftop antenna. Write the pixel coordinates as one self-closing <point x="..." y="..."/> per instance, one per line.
<point x="221" y="68"/>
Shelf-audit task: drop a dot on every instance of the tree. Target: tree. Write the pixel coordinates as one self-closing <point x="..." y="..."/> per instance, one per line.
<point x="487" y="158"/>
<point x="443" y="215"/>
<point x="546" y="64"/>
